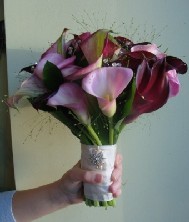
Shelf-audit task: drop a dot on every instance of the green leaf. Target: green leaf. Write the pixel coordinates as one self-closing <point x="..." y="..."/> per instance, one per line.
<point x="52" y="76"/>
<point x="59" y="45"/>
<point x="124" y="107"/>
<point x="61" y="42"/>
<point x="128" y="105"/>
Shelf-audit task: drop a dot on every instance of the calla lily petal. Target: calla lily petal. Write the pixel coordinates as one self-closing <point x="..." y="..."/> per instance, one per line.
<point x="111" y="46"/>
<point x="93" y="46"/>
<point x="80" y="72"/>
<point x="152" y="48"/>
<point x="176" y="63"/>
<point x="69" y="71"/>
<point x="141" y="105"/>
<point x="66" y="62"/>
<point x="107" y="84"/>
<point x="60" y="46"/>
<point x="70" y="95"/>
<point x="54" y="58"/>
<point x="174" y="84"/>
<point x="157" y="83"/>
<point x="143" y="70"/>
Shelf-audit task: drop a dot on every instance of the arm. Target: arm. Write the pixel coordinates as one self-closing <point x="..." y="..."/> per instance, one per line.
<point x="31" y="204"/>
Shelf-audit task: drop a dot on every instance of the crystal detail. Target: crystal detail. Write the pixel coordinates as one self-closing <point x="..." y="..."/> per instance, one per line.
<point x="105" y="60"/>
<point x="70" y="50"/>
<point x="96" y="158"/>
<point x="116" y="64"/>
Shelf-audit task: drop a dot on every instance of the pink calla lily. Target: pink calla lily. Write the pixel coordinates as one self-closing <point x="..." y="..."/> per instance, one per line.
<point x="81" y="72"/>
<point x="57" y="60"/>
<point x="72" y="96"/>
<point x="107" y="84"/>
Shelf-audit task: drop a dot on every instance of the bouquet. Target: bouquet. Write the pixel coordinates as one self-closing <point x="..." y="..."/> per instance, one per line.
<point x="95" y="84"/>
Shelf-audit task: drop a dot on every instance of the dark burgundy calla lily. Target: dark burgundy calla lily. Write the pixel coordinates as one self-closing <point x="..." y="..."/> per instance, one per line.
<point x="133" y="60"/>
<point x="109" y="48"/>
<point x="180" y="66"/>
<point x="124" y="42"/>
<point x="152" y="89"/>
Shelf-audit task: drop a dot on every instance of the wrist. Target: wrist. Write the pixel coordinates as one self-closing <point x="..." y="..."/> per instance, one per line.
<point x="57" y="195"/>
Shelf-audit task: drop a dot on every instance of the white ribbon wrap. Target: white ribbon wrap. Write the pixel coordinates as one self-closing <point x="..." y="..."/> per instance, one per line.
<point x="100" y="159"/>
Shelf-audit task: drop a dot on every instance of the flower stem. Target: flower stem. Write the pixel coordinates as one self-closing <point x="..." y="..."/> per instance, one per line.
<point x="95" y="138"/>
<point x="111" y="132"/>
<point x="121" y="127"/>
<point x="96" y="203"/>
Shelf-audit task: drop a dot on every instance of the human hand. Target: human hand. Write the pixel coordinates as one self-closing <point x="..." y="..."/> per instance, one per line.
<point x="71" y="184"/>
<point x="34" y="203"/>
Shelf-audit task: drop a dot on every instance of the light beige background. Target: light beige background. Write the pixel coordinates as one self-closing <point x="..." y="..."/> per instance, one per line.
<point x="155" y="148"/>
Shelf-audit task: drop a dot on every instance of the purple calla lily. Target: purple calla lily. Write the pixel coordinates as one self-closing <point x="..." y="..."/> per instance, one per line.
<point x="107" y="84"/>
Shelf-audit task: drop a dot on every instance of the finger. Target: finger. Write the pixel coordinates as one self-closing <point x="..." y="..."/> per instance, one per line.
<point x="116" y="174"/>
<point x="118" y="160"/>
<point x="115" y="187"/>
<point x="117" y="193"/>
<point x="77" y="174"/>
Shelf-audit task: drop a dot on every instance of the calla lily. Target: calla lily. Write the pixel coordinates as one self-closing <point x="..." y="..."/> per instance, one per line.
<point x="177" y="64"/>
<point x="81" y="72"/>
<point x="60" y="46"/>
<point x="124" y="42"/>
<point x="57" y="60"/>
<point x="31" y="87"/>
<point x="152" y="48"/>
<point x="107" y="84"/>
<point x="154" y="87"/>
<point x="71" y="95"/>
<point x="93" y="46"/>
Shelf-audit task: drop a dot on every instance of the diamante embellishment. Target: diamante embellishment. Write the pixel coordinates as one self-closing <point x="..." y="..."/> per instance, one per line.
<point x="96" y="158"/>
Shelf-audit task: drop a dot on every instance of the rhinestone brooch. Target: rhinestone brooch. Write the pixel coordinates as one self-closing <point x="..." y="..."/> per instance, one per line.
<point x="96" y="158"/>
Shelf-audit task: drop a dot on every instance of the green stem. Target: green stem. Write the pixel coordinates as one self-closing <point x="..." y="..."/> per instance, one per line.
<point x="94" y="135"/>
<point x="121" y="127"/>
<point x="96" y="203"/>
<point x="111" y="132"/>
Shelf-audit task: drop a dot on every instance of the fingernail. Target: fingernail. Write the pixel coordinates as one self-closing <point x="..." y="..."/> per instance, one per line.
<point x="98" y="178"/>
<point x="114" y="178"/>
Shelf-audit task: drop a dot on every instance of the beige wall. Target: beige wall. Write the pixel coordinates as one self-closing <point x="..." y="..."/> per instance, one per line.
<point x="155" y="148"/>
